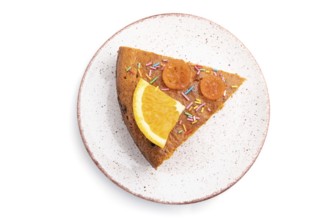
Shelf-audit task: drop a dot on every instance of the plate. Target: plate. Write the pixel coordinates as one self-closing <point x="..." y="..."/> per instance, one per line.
<point x="217" y="155"/>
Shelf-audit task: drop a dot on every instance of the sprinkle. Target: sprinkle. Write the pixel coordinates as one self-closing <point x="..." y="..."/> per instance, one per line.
<point x="203" y="70"/>
<point x="207" y="71"/>
<point x="199" y="107"/>
<point x="194" y="118"/>
<point x="186" y="97"/>
<point x="165" y="60"/>
<point x="202" y="110"/>
<point x="198" y="101"/>
<point x="180" y="122"/>
<point x="128" y="68"/>
<point x="180" y="131"/>
<point x="149" y="64"/>
<point x="190" y="104"/>
<point x="234" y="86"/>
<point x="198" y="72"/>
<point x="197" y="118"/>
<point x="187" y="113"/>
<point x="208" y="109"/>
<point x="194" y="122"/>
<point x="196" y="68"/>
<point x="164" y="89"/>
<point x="190" y="119"/>
<point x="154" y="79"/>
<point x="223" y="78"/>
<point x="153" y="68"/>
<point x="189" y="90"/>
<point x="190" y="108"/>
<point x="156" y="64"/>
<point x="138" y="65"/>
<point x="196" y="106"/>
<point x="139" y="72"/>
<point x="148" y="77"/>
<point x="184" y="127"/>
<point x="150" y="71"/>
<point x="225" y="93"/>
<point x="214" y="73"/>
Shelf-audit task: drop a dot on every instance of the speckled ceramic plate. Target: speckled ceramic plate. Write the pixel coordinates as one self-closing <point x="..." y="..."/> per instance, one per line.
<point x="217" y="155"/>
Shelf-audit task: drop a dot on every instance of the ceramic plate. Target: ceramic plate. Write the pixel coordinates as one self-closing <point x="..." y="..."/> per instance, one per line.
<point x="217" y="155"/>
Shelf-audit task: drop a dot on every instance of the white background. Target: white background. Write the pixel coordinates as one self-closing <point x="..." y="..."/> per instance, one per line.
<point x="45" y="171"/>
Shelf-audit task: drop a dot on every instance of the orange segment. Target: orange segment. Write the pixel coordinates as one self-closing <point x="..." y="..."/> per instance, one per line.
<point x="176" y="75"/>
<point x="212" y="87"/>
<point x="155" y="112"/>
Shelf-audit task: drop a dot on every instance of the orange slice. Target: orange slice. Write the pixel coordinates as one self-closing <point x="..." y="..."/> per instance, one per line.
<point x="155" y="112"/>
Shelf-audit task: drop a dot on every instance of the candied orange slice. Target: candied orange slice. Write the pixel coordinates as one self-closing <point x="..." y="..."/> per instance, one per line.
<point x="212" y="87"/>
<point x="176" y="75"/>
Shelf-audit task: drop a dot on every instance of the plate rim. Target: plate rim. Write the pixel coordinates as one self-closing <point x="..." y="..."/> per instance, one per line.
<point x="81" y="130"/>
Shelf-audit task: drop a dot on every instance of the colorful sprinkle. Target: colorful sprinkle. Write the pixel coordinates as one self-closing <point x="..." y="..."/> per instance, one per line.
<point x="207" y="71"/>
<point x="196" y="106"/>
<point x="148" y="77"/>
<point x="153" y="68"/>
<point x="203" y="70"/>
<point x="128" y="68"/>
<point x="139" y="72"/>
<point x="189" y="90"/>
<point x="234" y="86"/>
<point x="149" y="64"/>
<point x="180" y="131"/>
<point x="208" y="109"/>
<point x="180" y="122"/>
<point x="186" y="97"/>
<point x="164" y="89"/>
<point x="198" y="72"/>
<point x="156" y="64"/>
<point x="202" y="110"/>
<point x="194" y="122"/>
<point x="187" y="113"/>
<point x="199" y="107"/>
<point x="198" y="101"/>
<point x="138" y="65"/>
<point x="150" y="72"/>
<point x="154" y="79"/>
<point x="196" y="68"/>
<point x="184" y="127"/>
<point x="190" y="119"/>
<point x="165" y="60"/>
<point x="225" y="93"/>
<point x="190" y="108"/>
<point x="189" y="105"/>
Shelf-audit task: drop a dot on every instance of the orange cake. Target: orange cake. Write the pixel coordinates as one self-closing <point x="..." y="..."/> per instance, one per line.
<point x="164" y="100"/>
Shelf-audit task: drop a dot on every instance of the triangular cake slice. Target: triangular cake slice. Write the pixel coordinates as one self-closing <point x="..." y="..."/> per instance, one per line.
<point x="202" y="90"/>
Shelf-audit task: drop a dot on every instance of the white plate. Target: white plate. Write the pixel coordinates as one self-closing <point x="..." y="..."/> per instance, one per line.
<point x="217" y="155"/>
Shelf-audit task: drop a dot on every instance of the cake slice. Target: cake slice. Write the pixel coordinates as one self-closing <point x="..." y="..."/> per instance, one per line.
<point x="164" y="100"/>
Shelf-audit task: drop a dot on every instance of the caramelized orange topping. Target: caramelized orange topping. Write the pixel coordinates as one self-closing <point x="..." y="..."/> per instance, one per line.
<point x="212" y="87"/>
<point x="176" y="75"/>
